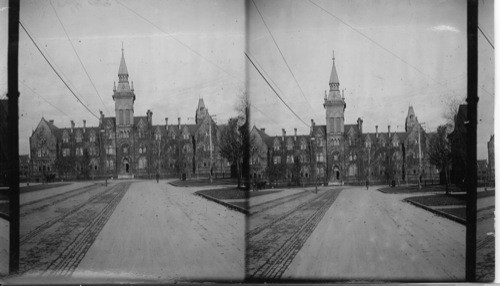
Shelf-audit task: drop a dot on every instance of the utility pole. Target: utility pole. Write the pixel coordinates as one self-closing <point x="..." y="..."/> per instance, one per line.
<point x="13" y="135"/>
<point x="471" y="159"/>
<point x="210" y="136"/>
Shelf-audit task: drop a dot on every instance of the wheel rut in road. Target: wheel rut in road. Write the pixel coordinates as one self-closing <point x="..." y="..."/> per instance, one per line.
<point x="58" y="245"/>
<point x="272" y="246"/>
<point x="33" y="206"/>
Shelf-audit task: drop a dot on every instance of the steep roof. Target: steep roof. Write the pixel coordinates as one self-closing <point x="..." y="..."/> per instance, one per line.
<point x="334" y="78"/>
<point x="123" y="66"/>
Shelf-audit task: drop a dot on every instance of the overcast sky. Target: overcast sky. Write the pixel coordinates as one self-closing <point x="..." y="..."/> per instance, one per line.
<point x="416" y="55"/>
<point x="177" y="51"/>
<point x="203" y="58"/>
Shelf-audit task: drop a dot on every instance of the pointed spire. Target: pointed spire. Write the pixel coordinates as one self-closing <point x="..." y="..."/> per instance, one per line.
<point x="123" y="66"/>
<point x="334" y="79"/>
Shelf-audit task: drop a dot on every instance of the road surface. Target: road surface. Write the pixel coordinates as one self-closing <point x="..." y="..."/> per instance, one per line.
<point x="138" y="230"/>
<point x="363" y="236"/>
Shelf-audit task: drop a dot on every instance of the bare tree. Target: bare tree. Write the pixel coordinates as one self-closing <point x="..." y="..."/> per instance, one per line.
<point x="451" y="111"/>
<point x="440" y="152"/>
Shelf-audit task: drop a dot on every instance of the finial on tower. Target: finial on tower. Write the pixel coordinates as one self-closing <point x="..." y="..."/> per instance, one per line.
<point x="122" y="47"/>
<point x="333" y="54"/>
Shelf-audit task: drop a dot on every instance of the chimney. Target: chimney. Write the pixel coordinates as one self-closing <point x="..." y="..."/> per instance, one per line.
<point x="295" y="136"/>
<point x="360" y="125"/>
<point x="283" y="134"/>
<point x="312" y="125"/>
<point x="84" y="125"/>
<point x="389" y="129"/>
<point x="166" y="123"/>
<point x="263" y="129"/>
<point x="150" y="116"/>
<point x="72" y="125"/>
<point x="179" y="123"/>
<point x="376" y="131"/>
<point x="101" y="118"/>
<point x="51" y="121"/>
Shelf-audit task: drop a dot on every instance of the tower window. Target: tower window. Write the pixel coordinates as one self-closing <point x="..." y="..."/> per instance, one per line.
<point x="127" y="117"/>
<point x="120" y="121"/>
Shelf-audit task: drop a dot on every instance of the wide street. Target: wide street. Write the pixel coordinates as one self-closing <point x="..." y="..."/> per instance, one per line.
<point x="351" y="234"/>
<point x="129" y="230"/>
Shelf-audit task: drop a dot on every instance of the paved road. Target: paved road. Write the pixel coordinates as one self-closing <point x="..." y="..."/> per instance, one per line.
<point x="368" y="235"/>
<point x="136" y="230"/>
<point x="164" y="232"/>
<point x="485" y="271"/>
<point x="279" y="227"/>
<point x="4" y="247"/>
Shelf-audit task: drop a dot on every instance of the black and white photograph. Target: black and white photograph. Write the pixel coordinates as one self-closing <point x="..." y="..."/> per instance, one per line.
<point x="124" y="111"/>
<point x="247" y="141"/>
<point x="358" y="131"/>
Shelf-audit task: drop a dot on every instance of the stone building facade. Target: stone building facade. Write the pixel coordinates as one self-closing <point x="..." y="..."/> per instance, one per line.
<point x="128" y="146"/>
<point x="338" y="153"/>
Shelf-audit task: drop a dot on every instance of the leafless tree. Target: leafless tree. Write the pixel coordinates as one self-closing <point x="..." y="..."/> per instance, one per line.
<point x="440" y="152"/>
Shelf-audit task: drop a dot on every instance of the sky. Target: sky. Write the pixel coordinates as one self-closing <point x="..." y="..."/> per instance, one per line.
<point x="175" y="51"/>
<point x="389" y="54"/>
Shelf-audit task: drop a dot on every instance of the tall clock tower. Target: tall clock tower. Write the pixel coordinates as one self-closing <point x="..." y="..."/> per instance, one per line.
<point x="124" y="98"/>
<point x="334" y="106"/>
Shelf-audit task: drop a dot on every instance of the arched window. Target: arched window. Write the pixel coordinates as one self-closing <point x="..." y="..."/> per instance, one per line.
<point x="142" y="163"/>
<point x="120" y="121"/>
<point x="127" y="117"/>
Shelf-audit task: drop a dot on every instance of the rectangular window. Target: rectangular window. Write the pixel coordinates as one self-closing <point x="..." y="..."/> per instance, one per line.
<point x="337" y="124"/>
<point x="277" y="159"/>
<point x="65" y="152"/>
<point x="127" y="117"/>
<point x="120" y="119"/>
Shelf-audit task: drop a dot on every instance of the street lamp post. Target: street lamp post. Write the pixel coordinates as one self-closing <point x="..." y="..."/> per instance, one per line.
<point x="102" y="131"/>
<point x="313" y="155"/>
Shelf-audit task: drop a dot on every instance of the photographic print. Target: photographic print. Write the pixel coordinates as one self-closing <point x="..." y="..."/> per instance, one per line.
<point x="359" y="130"/>
<point x="125" y="110"/>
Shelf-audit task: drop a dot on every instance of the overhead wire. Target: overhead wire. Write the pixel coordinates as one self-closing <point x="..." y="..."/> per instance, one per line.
<point x="274" y="90"/>
<point x="176" y="39"/>
<point x="47" y="101"/>
<point x="486" y="37"/>
<point x="57" y="73"/>
<point x="78" y="56"/>
<point x="381" y="46"/>
<point x="282" y="56"/>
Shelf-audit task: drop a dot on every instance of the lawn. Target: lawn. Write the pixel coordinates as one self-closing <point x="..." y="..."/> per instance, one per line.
<point x="403" y="189"/>
<point x="4" y="208"/>
<point x="204" y="182"/>
<point x="40" y="187"/>
<point x="225" y="194"/>
<point x="261" y="193"/>
<point x="439" y="200"/>
<point x="458" y="212"/>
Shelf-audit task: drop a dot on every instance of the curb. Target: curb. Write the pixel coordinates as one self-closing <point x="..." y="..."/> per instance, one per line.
<point x="228" y="205"/>
<point x="5" y="216"/>
<point x="439" y="213"/>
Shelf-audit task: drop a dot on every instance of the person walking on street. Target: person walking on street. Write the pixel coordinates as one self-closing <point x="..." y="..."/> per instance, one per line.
<point x="367" y="184"/>
<point x="157" y="178"/>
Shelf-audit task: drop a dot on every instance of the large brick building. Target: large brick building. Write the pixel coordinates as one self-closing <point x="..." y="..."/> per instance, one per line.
<point x="128" y="146"/>
<point x="340" y="153"/>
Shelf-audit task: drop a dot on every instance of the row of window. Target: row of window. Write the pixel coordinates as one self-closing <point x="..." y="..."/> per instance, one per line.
<point x="78" y="138"/>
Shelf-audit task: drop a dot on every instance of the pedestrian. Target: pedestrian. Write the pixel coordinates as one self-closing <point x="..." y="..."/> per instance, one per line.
<point x="367" y="184"/>
<point x="157" y="178"/>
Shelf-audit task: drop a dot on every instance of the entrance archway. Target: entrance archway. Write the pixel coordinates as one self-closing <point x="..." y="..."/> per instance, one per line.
<point x="336" y="173"/>
<point x="126" y="165"/>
